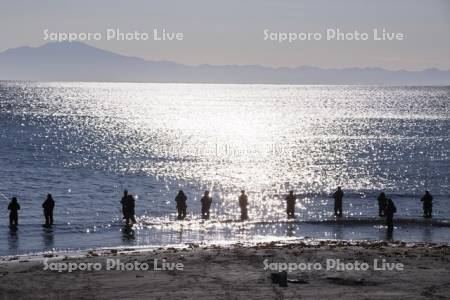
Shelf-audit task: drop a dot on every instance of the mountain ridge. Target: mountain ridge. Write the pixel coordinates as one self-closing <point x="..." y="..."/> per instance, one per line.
<point x="78" y="61"/>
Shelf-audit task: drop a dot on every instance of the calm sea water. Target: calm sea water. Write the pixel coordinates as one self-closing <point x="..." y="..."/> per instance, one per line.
<point x="86" y="142"/>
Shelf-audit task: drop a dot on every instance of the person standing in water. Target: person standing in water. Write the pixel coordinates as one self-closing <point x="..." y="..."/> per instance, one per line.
<point x="48" y="206"/>
<point x="206" y="205"/>
<point x="290" y="205"/>
<point x="338" y="195"/>
<point x="13" y="207"/>
<point x="128" y="207"/>
<point x="381" y="204"/>
<point x="427" y="200"/>
<point x="389" y="211"/>
<point x="181" y="199"/>
<point x="243" y="203"/>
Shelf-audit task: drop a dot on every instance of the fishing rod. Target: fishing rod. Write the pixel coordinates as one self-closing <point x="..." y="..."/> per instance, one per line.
<point x="3" y="195"/>
<point x="61" y="195"/>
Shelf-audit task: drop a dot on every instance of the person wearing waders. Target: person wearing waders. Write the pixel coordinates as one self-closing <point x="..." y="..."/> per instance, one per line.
<point x="128" y="208"/>
<point x="427" y="201"/>
<point x="48" y="206"/>
<point x="389" y="211"/>
<point x="243" y="203"/>
<point x="338" y="195"/>
<point x="13" y="207"/>
<point x="181" y="199"/>
<point x="290" y="205"/>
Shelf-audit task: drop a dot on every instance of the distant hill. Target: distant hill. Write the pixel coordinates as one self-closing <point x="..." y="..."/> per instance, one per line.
<point x="80" y="62"/>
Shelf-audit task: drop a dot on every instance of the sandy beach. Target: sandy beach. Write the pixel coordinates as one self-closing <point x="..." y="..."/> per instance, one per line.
<point x="235" y="272"/>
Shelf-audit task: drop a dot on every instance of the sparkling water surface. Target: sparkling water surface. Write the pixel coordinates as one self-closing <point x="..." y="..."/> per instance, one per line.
<point x="86" y="142"/>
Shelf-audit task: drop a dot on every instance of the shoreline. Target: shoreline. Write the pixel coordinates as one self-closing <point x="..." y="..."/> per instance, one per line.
<point x="219" y="233"/>
<point x="306" y="242"/>
<point x="237" y="270"/>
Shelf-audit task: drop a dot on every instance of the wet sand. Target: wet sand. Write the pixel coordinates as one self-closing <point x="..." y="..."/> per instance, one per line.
<point x="236" y="272"/>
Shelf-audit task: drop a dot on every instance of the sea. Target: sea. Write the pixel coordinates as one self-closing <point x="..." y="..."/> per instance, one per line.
<point x="86" y="142"/>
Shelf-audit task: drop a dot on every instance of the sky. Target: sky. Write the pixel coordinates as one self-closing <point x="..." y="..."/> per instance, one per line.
<point x="232" y="31"/>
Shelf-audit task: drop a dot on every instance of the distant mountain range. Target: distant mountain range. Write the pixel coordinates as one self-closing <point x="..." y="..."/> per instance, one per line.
<point x="80" y="62"/>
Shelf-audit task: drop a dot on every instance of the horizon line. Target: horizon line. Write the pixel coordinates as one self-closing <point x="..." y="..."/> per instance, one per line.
<point x="220" y="83"/>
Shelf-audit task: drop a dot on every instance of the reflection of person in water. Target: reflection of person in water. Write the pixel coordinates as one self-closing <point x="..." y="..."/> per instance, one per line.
<point x="48" y="206"/>
<point x="338" y="195"/>
<point x="128" y="207"/>
<point x="206" y="205"/>
<point x="47" y="235"/>
<point x="14" y="208"/>
<point x="128" y="234"/>
<point x="243" y="203"/>
<point x="389" y="211"/>
<point x="290" y="205"/>
<point x="381" y="204"/>
<point x="427" y="200"/>
<point x="13" y="239"/>
<point x="181" y="199"/>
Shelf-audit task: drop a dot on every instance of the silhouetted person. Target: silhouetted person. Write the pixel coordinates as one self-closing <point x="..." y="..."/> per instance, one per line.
<point x="206" y="205"/>
<point x="290" y="205"/>
<point x="48" y="206"/>
<point x="181" y="199"/>
<point x="389" y="211"/>
<point x="13" y="207"/>
<point x="128" y="207"/>
<point x="381" y="204"/>
<point x="243" y="203"/>
<point x="427" y="200"/>
<point x="338" y="195"/>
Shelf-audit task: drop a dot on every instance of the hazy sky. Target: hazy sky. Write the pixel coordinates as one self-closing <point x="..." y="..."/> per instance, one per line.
<point x="232" y="31"/>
